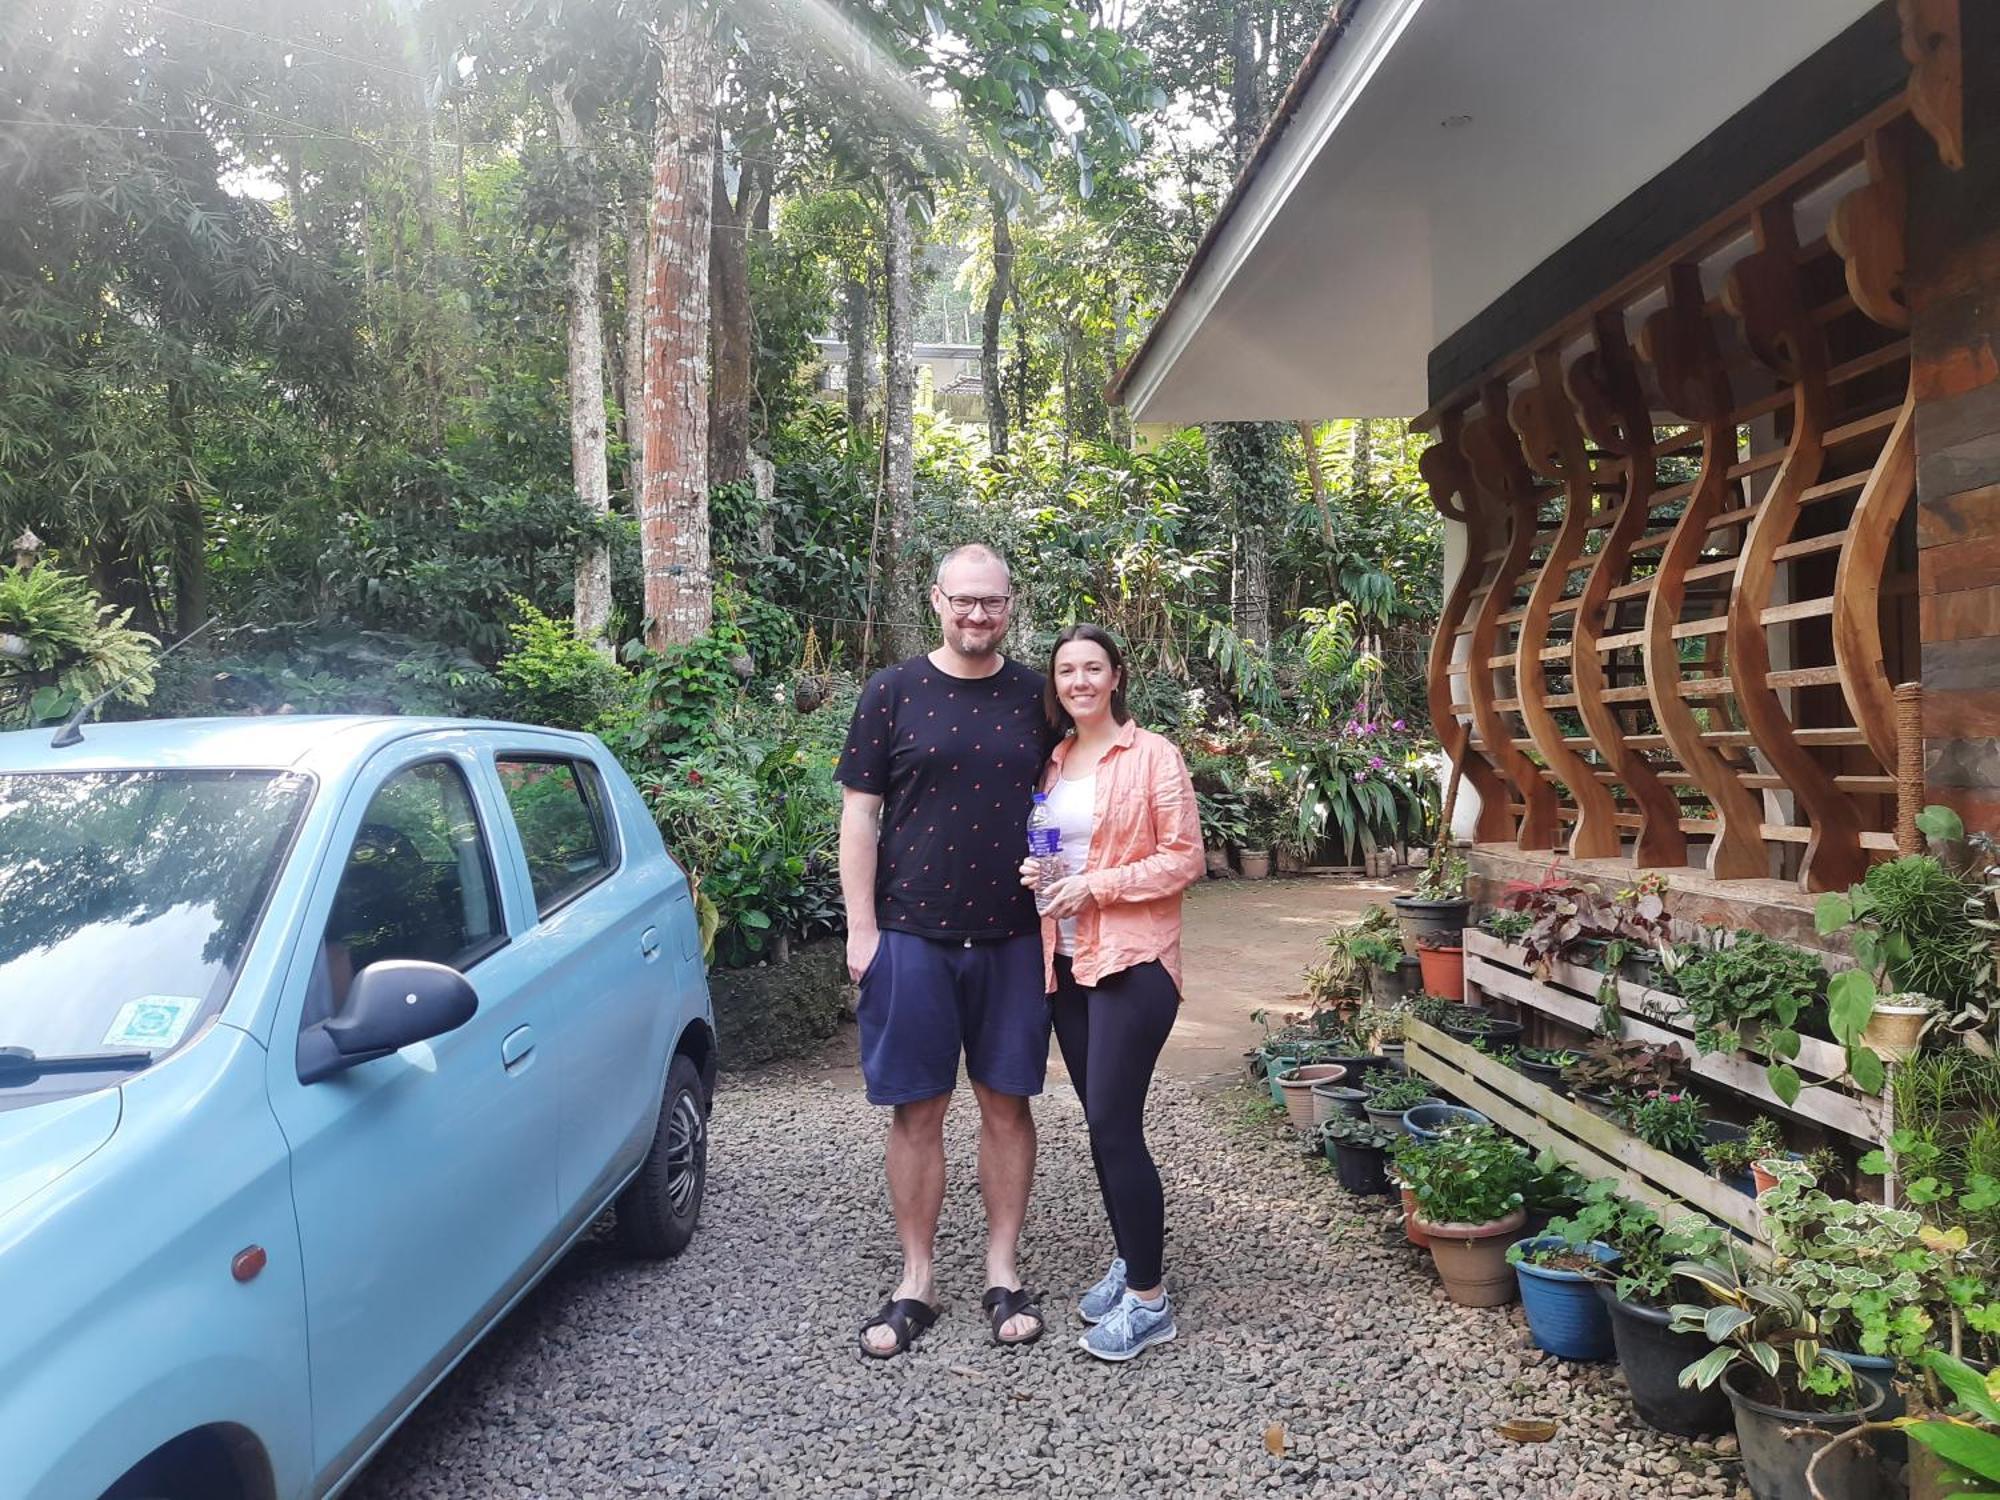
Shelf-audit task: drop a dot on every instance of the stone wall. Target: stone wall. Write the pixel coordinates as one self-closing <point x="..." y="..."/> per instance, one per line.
<point x="1954" y="287"/>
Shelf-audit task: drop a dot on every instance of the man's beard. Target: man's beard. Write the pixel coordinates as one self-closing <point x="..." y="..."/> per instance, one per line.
<point x="964" y="644"/>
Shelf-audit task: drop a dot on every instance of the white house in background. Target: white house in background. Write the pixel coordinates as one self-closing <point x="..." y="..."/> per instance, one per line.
<point x="949" y="372"/>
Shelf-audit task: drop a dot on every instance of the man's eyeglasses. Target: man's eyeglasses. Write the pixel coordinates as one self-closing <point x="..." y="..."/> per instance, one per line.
<point x="965" y="604"/>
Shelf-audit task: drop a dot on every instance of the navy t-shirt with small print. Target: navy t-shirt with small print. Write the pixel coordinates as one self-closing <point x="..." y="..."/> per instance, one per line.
<point x="955" y="761"/>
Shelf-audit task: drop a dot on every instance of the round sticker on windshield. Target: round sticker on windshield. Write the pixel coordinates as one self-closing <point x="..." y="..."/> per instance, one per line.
<point x="154" y="1022"/>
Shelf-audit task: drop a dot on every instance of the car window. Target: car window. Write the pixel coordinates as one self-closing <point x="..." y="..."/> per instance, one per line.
<point x="559" y="808"/>
<point x="417" y="882"/>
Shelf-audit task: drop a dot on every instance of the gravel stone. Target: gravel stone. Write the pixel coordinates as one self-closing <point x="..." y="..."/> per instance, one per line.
<point x="733" y="1371"/>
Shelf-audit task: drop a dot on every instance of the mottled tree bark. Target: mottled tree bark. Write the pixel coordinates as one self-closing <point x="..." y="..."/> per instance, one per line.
<point x="990" y="378"/>
<point x="673" y="500"/>
<point x="730" y="327"/>
<point x="589" y="465"/>
<point x="637" y="267"/>
<point x="899" y="601"/>
<point x="860" y="355"/>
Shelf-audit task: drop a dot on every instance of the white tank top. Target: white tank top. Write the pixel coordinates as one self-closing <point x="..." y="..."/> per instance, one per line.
<point x="1073" y="805"/>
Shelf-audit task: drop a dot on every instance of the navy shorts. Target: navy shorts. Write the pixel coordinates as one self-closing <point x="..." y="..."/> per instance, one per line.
<point x="923" y="1000"/>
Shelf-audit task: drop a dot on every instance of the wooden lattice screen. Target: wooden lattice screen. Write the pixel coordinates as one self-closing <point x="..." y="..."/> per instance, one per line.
<point x="1686" y="601"/>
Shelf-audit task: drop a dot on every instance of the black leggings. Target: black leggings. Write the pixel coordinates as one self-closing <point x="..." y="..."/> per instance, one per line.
<point x="1111" y="1035"/>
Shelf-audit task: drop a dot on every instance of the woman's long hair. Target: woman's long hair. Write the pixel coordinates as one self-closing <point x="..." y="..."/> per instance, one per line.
<point x="1052" y="705"/>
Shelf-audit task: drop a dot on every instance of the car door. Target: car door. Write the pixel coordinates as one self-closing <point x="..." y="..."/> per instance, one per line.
<point x="602" y="944"/>
<point x="423" y="1182"/>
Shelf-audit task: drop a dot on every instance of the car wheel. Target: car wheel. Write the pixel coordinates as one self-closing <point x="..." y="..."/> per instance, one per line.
<point x="659" y="1207"/>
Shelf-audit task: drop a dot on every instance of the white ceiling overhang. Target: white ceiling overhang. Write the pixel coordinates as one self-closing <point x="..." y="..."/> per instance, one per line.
<point x="1372" y="229"/>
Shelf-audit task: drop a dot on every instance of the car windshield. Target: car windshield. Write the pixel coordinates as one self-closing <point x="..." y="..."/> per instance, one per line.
<point x="127" y="899"/>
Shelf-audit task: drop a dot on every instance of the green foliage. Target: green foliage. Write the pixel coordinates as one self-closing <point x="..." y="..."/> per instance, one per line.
<point x="1445" y="876"/>
<point x="1470" y="1174"/>
<point x="1648" y="1249"/>
<point x="1665" y="1120"/>
<point x="552" y="678"/>
<point x="1730" y="1158"/>
<point x="1397" y="1091"/>
<point x="60" y="647"/>
<point x="1765" y="1323"/>
<point x="1753" y="988"/>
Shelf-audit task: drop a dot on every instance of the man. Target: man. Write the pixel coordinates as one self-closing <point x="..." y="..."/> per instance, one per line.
<point x="940" y="769"/>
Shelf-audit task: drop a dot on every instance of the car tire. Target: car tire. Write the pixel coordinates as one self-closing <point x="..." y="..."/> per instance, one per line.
<point x="658" y="1210"/>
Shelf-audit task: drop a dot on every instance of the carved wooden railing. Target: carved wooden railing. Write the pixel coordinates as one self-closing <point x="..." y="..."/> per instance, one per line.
<point x="1636" y="655"/>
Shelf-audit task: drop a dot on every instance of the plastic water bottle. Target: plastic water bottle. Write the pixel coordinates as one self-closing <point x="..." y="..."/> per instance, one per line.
<point x="1045" y="848"/>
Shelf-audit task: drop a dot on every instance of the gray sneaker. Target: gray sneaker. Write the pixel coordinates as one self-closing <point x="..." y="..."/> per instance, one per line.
<point x="1130" y="1328"/>
<point x="1100" y="1301"/>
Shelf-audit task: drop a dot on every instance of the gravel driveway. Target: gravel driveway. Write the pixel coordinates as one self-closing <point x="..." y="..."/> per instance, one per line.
<point x="733" y="1371"/>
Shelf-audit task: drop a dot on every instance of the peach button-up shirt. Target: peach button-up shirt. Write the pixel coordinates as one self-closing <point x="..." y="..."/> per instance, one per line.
<point x="1145" y="850"/>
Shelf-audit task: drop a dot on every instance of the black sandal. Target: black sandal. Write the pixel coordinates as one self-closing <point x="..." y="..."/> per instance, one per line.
<point x="1002" y="1303"/>
<point x="905" y="1317"/>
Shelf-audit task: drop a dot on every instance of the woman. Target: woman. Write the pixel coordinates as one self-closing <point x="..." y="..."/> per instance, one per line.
<point x="1111" y="941"/>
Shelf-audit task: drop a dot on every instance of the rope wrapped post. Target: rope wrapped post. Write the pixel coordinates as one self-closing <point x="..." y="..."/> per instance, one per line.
<point x="1909" y="766"/>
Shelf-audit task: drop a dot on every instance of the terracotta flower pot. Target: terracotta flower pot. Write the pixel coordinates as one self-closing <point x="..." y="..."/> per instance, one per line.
<point x="1217" y="860"/>
<point x="1411" y="1230"/>
<point x="1764" y="1181"/>
<point x="1297" y="1087"/>
<point x="1444" y="972"/>
<point x="1256" y="863"/>
<point x="1894" y="1030"/>
<point x="1472" y="1259"/>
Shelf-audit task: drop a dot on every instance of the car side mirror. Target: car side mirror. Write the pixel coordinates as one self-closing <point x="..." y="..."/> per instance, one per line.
<point x="388" y="1006"/>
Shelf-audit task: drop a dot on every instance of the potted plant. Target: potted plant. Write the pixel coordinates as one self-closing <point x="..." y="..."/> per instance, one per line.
<point x="1331" y="1101"/>
<point x="1635" y="1285"/>
<point x="1388" y="1098"/>
<point x="1731" y="1158"/>
<point x="1443" y="961"/>
<point x="1607" y="1068"/>
<point x="1883" y="1283"/>
<point x="1438" y="906"/>
<point x="1558" y="1283"/>
<point x="1264" y="820"/>
<point x="1555" y="1190"/>
<point x="1426" y="1122"/>
<point x="1498" y="1033"/>
<point x="1790" y="1393"/>
<point x="1224" y="823"/>
<point x="1466" y="1185"/>
<point x="1819" y="1165"/>
<point x="1668" y="1120"/>
<point x="1545" y="1065"/>
<point x="1358" y="1150"/>
<point x="1507" y="926"/>
<point x="1921" y="933"/>
<point x="1756" y="989"/>
<point x="1379" y="958"/>
<point x="1297" y="1085"/>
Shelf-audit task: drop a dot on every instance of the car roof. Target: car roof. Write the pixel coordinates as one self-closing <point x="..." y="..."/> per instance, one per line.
<point x="303" y="742"/>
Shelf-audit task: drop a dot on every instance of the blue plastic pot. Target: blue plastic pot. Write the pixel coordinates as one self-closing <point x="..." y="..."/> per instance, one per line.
<point x="1428" y="1121"/>
<point x="1565" y="1314"/>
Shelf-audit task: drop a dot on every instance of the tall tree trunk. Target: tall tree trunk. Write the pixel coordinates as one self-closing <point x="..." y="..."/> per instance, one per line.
<point x="729" y="326"/>
<point x="1309" y="444"/>
<point x="673" y="501"/>
<point x="588" y="462"/>
<point x="190" y="524"/>
<point x="860" y="351"/>
<point x="1020" y="362"/>
<point x="1245" y="105"/>
<point x="899" y="602"/>
<point x="1363" y="477"/>
<point x="1121" y="320"/>
<point x="637" y="263"/>
<point x="1249" y="471"/>
<point x="990" y="378"/>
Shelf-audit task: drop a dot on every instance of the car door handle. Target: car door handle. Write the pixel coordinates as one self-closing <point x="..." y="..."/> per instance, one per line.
<point x="649" y="944"/>
<point x="516" y="1048"/>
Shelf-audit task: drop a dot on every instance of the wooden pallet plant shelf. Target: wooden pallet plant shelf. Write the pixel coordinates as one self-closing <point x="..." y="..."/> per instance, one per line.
<point x="1594" y="1146"/>
<point x="1498" y="969"/>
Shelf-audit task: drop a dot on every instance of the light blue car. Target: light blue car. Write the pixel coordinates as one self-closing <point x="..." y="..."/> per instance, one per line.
<point x="321" y="1039"/>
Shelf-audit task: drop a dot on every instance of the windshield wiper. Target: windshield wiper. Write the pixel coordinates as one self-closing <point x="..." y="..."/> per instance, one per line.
<point x="22" y="1065"/>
